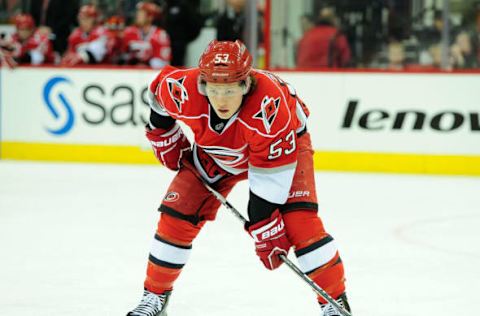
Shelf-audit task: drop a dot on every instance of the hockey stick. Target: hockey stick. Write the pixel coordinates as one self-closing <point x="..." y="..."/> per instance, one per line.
<point x="317" y="289"/>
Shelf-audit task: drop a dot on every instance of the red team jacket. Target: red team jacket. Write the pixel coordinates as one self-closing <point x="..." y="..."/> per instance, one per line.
<point x="259" y="139"/>
<point x="38" y="46"/>
<point x="323" y="46"/>
<point x="152" y="48"/>
<point x="114" y="46"/>
<point x="94" y="42"/>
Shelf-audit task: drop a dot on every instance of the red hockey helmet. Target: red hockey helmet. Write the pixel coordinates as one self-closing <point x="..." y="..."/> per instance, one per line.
<point x="88" y="11"/>
<point x="225" y="62"/>
<point x="24" y="21"/>
<point x="150" y="8"/>
<point x="115" y="23"/>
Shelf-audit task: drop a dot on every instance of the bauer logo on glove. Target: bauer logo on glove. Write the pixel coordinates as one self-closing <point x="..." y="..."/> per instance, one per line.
<point x="270" y="240"/>
<point x="267" y="231"/>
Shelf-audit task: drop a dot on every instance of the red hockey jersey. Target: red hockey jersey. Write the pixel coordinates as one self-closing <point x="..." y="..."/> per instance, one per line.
<point x="95" y="42"/>
<point x="152" y="48"/>
<point x="259" y="139"/>
<point x="38" y="46"/>
<point x="114" y="45"/>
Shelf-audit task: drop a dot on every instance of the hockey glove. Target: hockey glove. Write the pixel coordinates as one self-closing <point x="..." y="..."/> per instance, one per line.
<point x="270" y="240"/>
<point x="74" y="58"/>
<point x="6" y="58"/>
<point x="168" y="145"/>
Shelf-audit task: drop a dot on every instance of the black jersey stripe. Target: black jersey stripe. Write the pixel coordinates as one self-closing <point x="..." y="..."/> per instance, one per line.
<point x="165" y="264"/>
<point x="189" y="218"/>
<point x="314" y="246"/>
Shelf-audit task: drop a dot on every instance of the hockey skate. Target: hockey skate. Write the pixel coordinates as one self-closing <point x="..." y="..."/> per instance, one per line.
<point x="151" y="305"/>
<point x="329" y="310"/>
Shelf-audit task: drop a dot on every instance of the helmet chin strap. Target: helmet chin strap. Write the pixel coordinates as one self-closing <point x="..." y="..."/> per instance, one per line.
<point x="246" y="84"/>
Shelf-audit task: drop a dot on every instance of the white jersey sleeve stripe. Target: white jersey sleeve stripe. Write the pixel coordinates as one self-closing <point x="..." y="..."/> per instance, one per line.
<point x="302" y="117"/>
<point x="155" y="106"/>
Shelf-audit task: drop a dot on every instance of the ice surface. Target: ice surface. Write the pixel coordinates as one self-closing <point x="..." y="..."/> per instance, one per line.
<point x="74" y="240"/>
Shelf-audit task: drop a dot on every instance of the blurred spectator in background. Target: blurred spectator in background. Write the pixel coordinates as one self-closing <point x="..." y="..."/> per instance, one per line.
<point x="475" y="35"/>
<point x="230" y="24"/>
<point x="435" y="52"/>
<point x="27" y="45"/>
<point x="399" y="22"/>
<point x="324" y="45"/>
<point x="463" y="55"/>
<point x="396" y="56"/>
<point x="115" y="26"/>
<point x="88" y="43"/>
<point x="60" y="16"/>
<point x="145" y="43"/>
<point x="307" y="22"/>
<point x="433" y="35"/>
<point x="183" y="23"/>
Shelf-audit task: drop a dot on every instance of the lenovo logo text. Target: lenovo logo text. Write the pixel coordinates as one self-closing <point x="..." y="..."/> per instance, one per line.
<point x="381" y="119"/>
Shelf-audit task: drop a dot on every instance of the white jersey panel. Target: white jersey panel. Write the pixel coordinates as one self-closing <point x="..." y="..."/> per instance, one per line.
<point x="272" y="184"/>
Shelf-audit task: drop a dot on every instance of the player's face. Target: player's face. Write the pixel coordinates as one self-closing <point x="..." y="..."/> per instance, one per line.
<point x="141" y="18"/>
<point x="24" y="33"/>
<point x="86" y="23"/>
<point x="225" y="98"/>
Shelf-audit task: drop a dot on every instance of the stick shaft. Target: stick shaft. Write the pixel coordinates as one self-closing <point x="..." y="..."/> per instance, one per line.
<point x="317" y="289"/>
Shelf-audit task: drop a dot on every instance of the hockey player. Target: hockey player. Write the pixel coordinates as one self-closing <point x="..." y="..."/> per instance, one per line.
<point x="115" y="26"/>
<point x="87" y="44"/>
<point x="145" y="43"/>
<point x="247" y="124"/>
<point x="28" y="45"/>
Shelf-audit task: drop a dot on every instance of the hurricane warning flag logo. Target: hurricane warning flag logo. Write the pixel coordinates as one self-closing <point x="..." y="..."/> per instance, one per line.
<point x="268" y="111"/>
<point x="177" y="91"/>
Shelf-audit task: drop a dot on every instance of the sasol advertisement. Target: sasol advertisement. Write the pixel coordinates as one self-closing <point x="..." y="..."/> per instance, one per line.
<point x="75" y="106"/>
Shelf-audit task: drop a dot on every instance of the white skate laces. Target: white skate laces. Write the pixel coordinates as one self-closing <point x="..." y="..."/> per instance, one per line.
<point x="151" y="305"/>
<point x="330" y="310"/>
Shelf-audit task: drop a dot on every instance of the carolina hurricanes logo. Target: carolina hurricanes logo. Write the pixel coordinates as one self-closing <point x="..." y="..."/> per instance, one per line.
<point x="226" y="156"/>
<point x="268" y="111"/>
<point x="214" y="161"/>
<point x="177" y="91"/>
<point x="171" y="197"/>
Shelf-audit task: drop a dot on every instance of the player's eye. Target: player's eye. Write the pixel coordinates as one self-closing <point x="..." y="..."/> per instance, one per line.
<point x="212" y="92"/>
<point x="228" y="92"/>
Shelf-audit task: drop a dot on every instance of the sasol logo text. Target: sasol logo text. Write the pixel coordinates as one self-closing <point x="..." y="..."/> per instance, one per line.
<point x="121" y="106"/>
<point x="381" y="119"/>
<point x="94" y="104"/>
